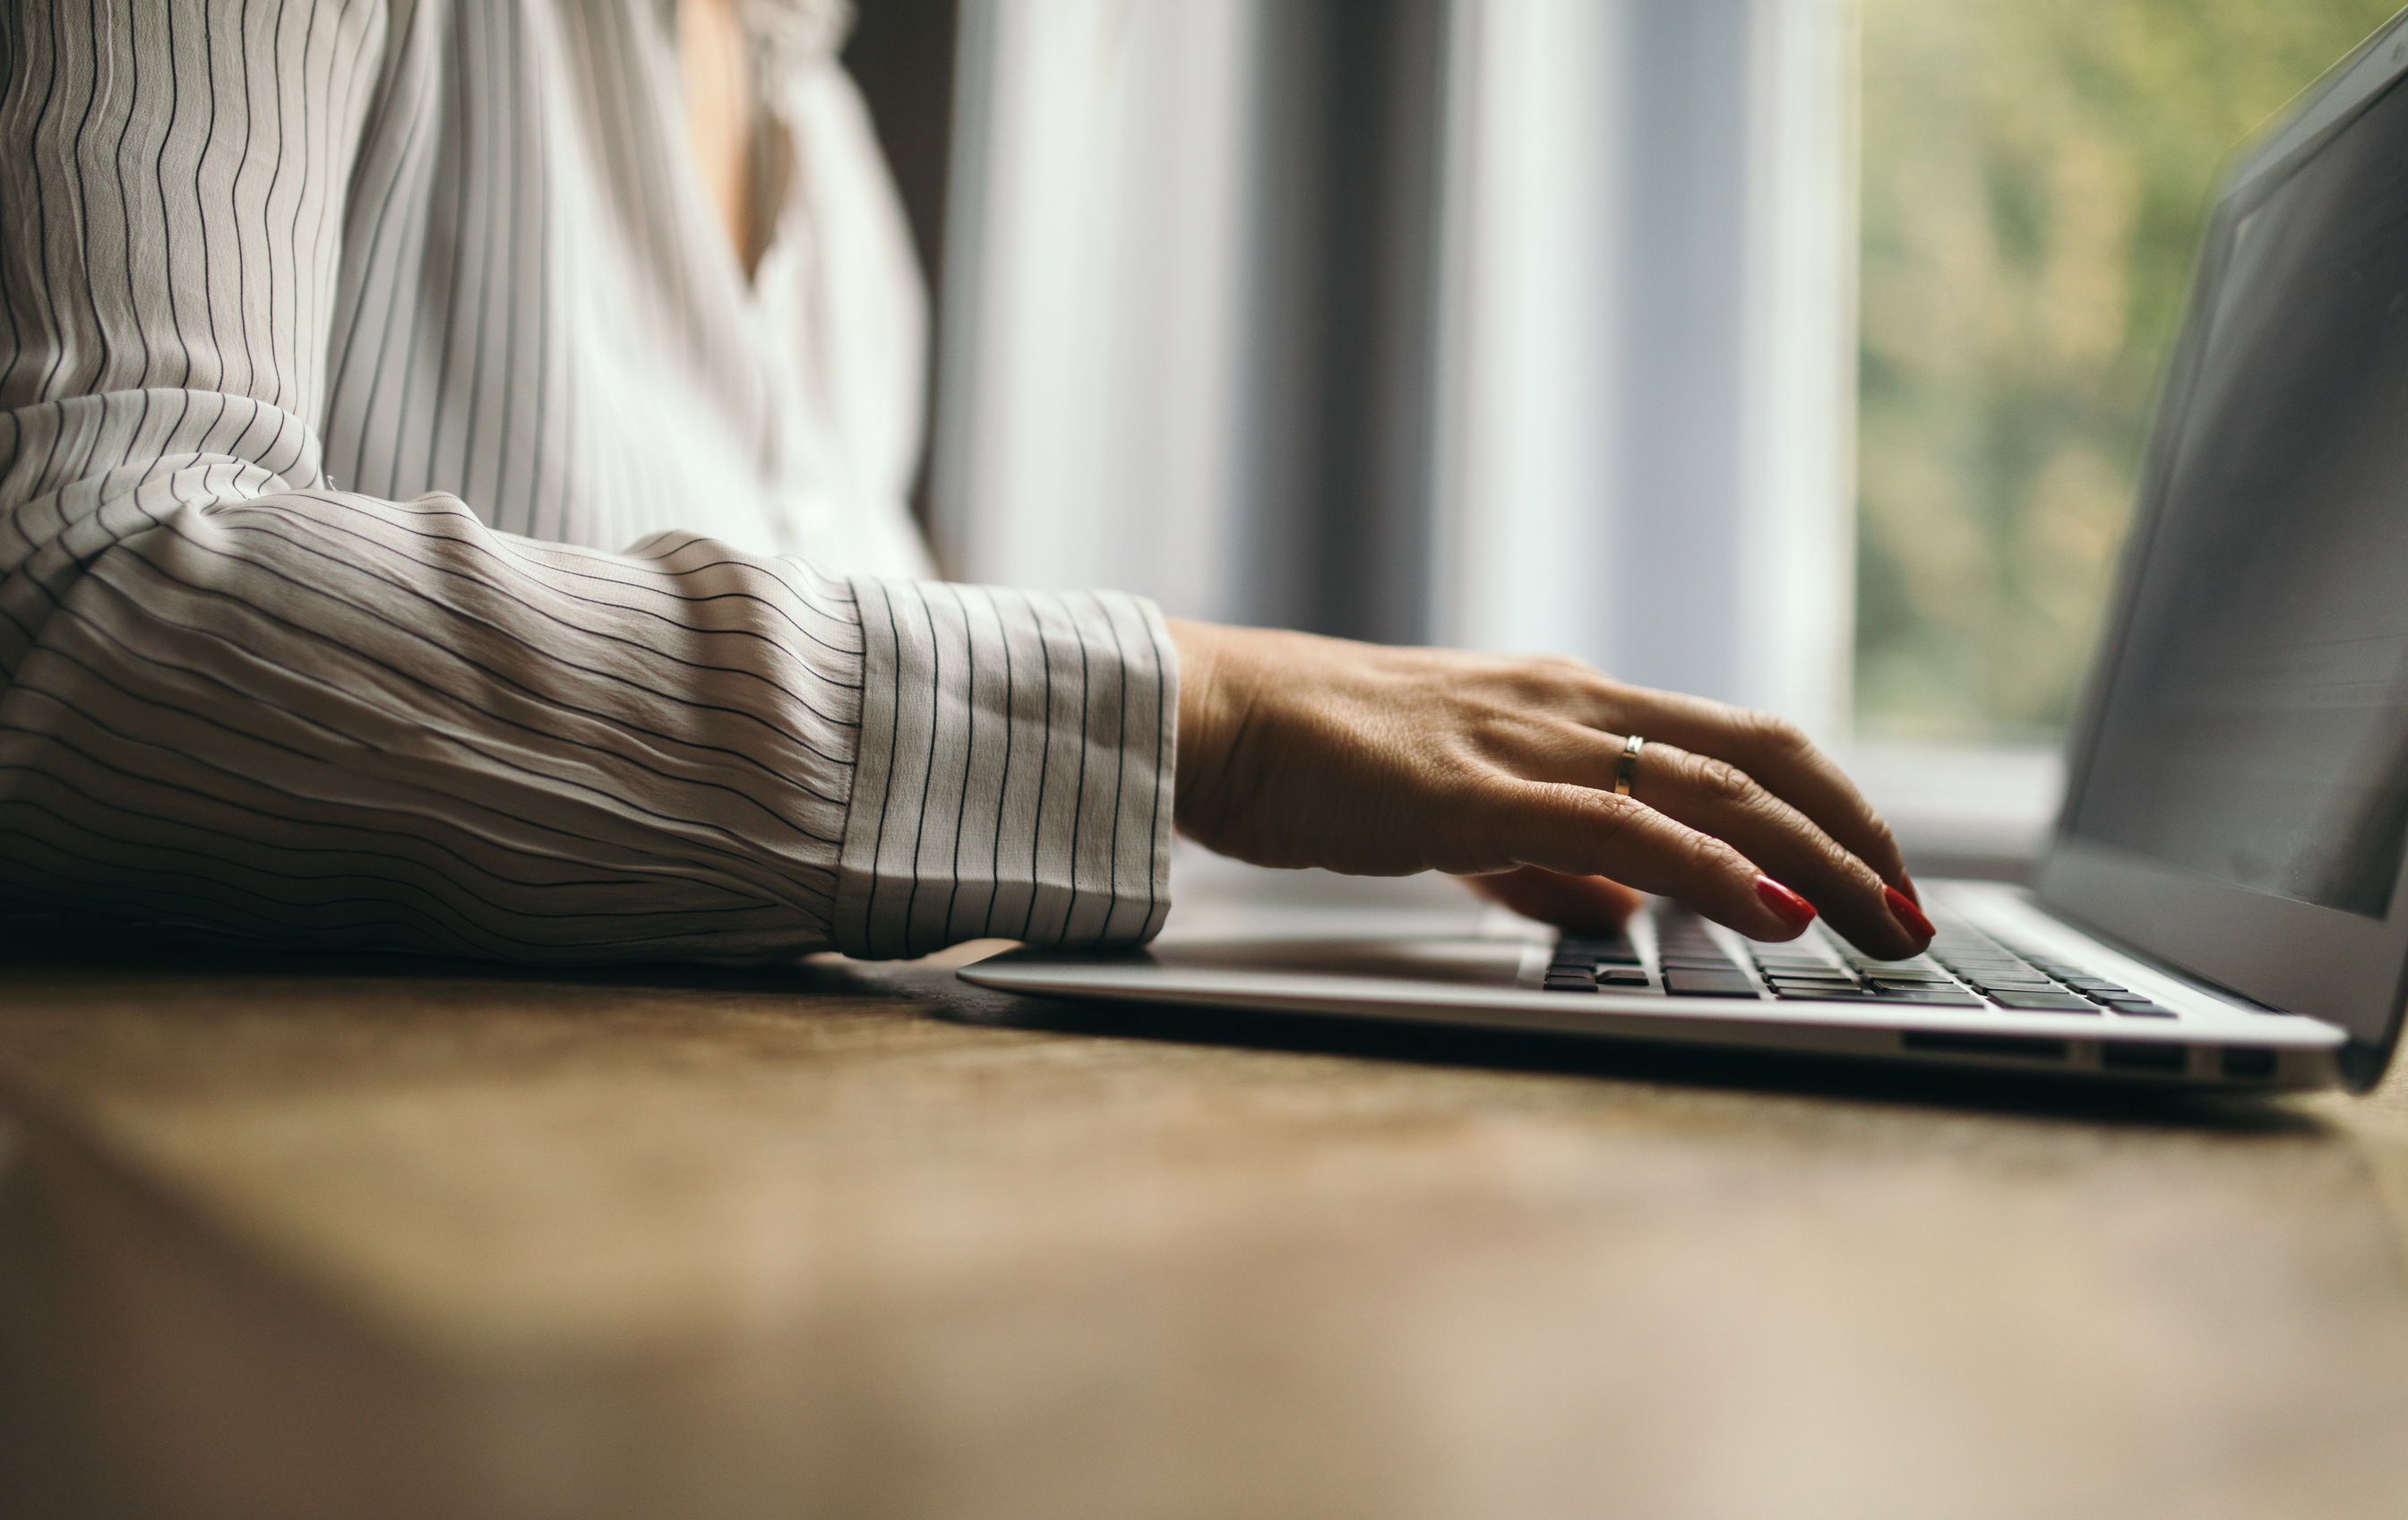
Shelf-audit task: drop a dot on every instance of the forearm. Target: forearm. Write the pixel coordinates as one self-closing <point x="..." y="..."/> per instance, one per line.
<point x="350" y="723"/>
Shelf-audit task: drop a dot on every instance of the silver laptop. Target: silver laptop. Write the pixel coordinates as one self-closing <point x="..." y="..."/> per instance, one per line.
<point x="2223" y="901"/>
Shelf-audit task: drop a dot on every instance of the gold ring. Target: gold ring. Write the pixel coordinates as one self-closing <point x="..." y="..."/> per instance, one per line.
<point x="1629" y="769"/>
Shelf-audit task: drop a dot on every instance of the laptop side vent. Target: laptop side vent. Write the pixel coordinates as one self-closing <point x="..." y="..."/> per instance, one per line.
<point x="2172" y="1060"/>
<point x="2013" y="1047"/>
<point x="2248" y="1061"/>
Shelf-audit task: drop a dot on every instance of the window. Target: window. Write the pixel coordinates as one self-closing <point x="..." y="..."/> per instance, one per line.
<point x="2035" y="177"/>
<point x="1527" y="325"/>
<point x="1507" y="323"/>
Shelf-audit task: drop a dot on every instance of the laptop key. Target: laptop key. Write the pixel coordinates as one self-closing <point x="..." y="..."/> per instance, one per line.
<point x="1682" y="981"/>
<point x="2042" y="1002"/>
<point x="1615" y="975"/>
<point x="1612" y="952"/>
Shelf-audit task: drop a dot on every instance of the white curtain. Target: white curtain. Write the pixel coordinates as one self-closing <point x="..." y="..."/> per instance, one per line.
<point x="1644" y="380"/>
<point x="1089" y="425"/>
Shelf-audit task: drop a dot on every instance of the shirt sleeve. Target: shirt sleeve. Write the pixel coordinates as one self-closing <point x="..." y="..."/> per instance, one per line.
<point x="1014" y="772"/>
<point x="235" y="700"/>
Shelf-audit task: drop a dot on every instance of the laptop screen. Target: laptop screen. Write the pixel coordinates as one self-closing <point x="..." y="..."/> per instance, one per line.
<point x="2254" y="729"/>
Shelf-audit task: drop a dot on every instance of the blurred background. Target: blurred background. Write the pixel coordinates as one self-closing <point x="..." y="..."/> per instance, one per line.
<point x="1797" y="353"/>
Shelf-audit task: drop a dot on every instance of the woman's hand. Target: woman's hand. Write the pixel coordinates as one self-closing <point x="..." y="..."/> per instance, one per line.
<point x="1300" y="751"/>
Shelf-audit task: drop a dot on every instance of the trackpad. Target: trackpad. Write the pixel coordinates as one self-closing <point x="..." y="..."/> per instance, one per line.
<point x="1465" y="961"/>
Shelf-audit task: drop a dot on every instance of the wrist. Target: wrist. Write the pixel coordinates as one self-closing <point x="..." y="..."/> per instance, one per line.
<point x="1203" y="705"/>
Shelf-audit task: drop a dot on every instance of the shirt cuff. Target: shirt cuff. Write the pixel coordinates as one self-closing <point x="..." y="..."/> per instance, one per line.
<point x="1015" y="770"/>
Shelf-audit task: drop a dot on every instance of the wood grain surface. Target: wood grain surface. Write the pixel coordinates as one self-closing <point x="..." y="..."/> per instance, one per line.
<point x="335" y="1238"/>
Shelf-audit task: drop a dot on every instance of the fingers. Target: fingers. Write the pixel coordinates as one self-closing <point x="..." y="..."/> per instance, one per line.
<point x="1581" y="831"/>
<point x="1714" y="796"/>
<point x="1575" y="904"/>
<point x="1779" y="758"/>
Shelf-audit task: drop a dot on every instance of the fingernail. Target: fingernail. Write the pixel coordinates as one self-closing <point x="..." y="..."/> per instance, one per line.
<point x="1793" y="910"/>
<point x="1908" y="916"/>
<point x="1906" y="884"/>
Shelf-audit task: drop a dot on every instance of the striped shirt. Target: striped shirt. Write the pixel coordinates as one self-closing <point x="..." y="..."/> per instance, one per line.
<point x="416" y="532"/>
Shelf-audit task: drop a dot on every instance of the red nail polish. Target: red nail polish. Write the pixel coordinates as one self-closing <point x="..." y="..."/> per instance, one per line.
<point x="1908" y="916"/>
<point x="1906" y="884"/>
<point x="1793" y="910"/>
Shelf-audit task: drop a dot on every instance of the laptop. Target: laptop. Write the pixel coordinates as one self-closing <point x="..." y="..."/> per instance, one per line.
<point x="2222" y="903"/>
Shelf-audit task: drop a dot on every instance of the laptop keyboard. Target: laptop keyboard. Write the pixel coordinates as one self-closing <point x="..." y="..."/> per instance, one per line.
<point x="1965" y="969"/>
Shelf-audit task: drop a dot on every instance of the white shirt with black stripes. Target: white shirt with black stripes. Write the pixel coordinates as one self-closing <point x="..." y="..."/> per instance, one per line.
<point x="416" y="532"/>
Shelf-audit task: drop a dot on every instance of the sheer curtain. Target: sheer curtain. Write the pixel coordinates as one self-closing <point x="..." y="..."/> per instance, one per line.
<point x="1515" y="323"/>
<point x="1092" y="351"/>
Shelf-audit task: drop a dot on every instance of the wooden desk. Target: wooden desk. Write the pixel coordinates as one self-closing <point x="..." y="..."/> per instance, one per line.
<point x="353" y="1239"/>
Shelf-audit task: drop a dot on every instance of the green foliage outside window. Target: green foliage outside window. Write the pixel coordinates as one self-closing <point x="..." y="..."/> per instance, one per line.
<point x="2036" y="176"/>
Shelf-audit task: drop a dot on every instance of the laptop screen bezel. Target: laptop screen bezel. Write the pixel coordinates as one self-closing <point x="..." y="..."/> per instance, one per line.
<point x="2297" y="956"/>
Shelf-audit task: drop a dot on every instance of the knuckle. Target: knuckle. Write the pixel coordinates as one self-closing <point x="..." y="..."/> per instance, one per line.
<point x="1618" y="818"/>
<point x="1776" y="734"/>
<point x="1723" y="782"/>
<point x="1710" y="856"/>
<point x="1884" y="840"/>
<point x="1552" y="681"/>
<point x="1608" y="809"/>
<point x="1842" y="865"/>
